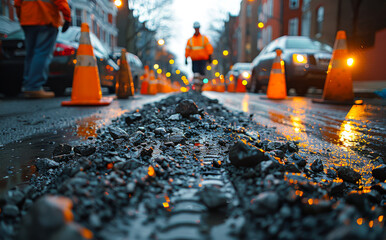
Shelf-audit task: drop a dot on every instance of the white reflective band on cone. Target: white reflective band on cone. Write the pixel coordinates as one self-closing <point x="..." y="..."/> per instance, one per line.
<point x="84" y="38"/>
<point x="85" y="61"/>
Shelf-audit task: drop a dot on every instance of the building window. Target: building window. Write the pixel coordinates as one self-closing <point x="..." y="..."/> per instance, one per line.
<point x="78" y="17"/>
<point x="306" y="23"/>
<point x="319" y="21"/>
<point x="294" y="4"/>
<point x="249" y="11"/>
<point x="270" y="8"/>
<point x="293" y="24"/>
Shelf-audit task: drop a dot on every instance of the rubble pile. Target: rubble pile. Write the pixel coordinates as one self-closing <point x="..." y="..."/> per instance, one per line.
<point x="188" y="168"/>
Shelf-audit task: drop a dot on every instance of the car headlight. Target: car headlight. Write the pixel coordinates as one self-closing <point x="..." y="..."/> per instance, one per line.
<point x="299" y="58"/>
<point x="246" y="74"/>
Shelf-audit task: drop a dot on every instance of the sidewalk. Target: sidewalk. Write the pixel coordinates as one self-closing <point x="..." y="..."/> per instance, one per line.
<point x="367" y="89"/>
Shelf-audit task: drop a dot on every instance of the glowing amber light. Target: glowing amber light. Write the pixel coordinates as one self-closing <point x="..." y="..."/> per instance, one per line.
<point x="161" y="42"/>
<point x="215" y="62"/>
<point x="178" y="71"/>
<point x="74" y="61"/>
<point x="110" y="166"/>
<point x="159" y="70"/>
<point x="225" y="52"/>
<point x="118" y="3"/>
<point x="380" y="218"/>
<point x="244" y="82"/>
<point x="310" y="201"/>
<point x="208" y="68"/>
<point x="245" y="103"/>
<point x="359" y="221"/>
<point x="165" y="204"/>
<point x="371" y="223"/>
<point x="168" y="74"/>
<point x="150" y="171"/>
<point x="184" y="89"/>
<point x="260" y="25"/>
<point x="156" y="66"/>
<point x="350" y="62"/>
<point x="87" y="234"/>
<point x="231" y="78"/>
<point x="171" y="61"/>
<point x="217" y="74"/>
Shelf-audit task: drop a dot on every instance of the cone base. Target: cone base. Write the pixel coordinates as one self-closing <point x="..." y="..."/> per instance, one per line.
<point x="350" y="102"/>
<point x="267" y="98"/>
<point x="103" y="102"/>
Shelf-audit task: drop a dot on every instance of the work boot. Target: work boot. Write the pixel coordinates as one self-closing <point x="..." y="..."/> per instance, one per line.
<point x="38" y="94"/>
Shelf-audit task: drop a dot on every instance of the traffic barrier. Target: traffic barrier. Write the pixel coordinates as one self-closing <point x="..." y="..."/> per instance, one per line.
<point x="276" y="84"/>
<point x="240" y="87"/>
<point x="338" y="88"/>
<point x="152" y="84"/>
<point x="145" y="81"/>
<point x="124" y="85"/>
<point x="86" y="88"/>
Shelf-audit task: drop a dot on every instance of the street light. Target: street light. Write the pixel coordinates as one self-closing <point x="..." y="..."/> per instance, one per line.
<point x="260" y="25"/>
<point x="161" y="42"/>
<point x="171" y="61"/>
<point x="118" y="3"/>
<point x="156" y="66"/>
<point x="225" y="52"/>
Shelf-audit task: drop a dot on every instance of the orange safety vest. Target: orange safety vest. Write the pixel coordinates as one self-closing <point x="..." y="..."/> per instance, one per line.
<point x="42" y="12"/>
<point x="198" y="48"/>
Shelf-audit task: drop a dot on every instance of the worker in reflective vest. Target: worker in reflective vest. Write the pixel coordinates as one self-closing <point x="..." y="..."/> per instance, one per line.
<point x="40" y="20"/>
<point x="199" y="50"/>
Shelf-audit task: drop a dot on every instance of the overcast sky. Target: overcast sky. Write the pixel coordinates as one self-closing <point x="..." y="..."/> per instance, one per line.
<point x="188" y="11"/>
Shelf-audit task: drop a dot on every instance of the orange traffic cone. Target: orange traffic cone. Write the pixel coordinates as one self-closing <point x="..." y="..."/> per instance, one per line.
<point x="231" y="85"/>
<point x="145" y="81"/>
<point x="240" y="87"/>
<point x="152" y="84"/>
<point x="124" y="86"/>
<point x="276" y="84"/>
<point x="338" y="87"/>
<point x="86" y="88"/>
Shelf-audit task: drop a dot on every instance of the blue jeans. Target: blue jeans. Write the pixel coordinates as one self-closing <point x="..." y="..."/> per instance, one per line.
<point x="39" y="46"/>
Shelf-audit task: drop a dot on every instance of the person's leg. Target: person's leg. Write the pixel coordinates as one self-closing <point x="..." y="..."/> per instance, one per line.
<point x="29" y="42"/>
<point x="202" y="67"/>
<point x="42" y="55"/>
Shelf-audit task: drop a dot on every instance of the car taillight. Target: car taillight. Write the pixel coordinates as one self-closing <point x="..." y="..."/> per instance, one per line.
<point x="63" y="50"/>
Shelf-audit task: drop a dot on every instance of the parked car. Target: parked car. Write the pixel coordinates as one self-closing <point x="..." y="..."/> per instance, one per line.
<point x="240" y="70"/>
<point x="305" y="61"/>
<point x="12" y="54"/>
<point x="135" y="63"/>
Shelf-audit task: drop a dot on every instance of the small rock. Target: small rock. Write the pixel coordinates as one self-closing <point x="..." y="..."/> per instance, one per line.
<point x="292" y="147"/>
<point x="15" y="197"/>
<point x="10" y="210"/>
<point x="177" y="138"/>
<point x="348" y="174"/>
<point x="244" y="155"/>
<point x="62" y="149"/>
<point x="265" y="203"/>
<point x="132" y="118"/>
<point x="331" y="173"/>
<point x="175" y="117"/>
<point x="85" y="150"/>
<point x="290" y="167"/>
<point x="337" y="188"/>
<point x="160" y="131"/>
<point x="43" y="164"/>
<point x="116" y="132"/>
<point x="298" y="160"/>
<point x="379" y="173"/>
<point x="317" y="166"/>
<point x="186" y="108"/>
<point x="212" y="197"/>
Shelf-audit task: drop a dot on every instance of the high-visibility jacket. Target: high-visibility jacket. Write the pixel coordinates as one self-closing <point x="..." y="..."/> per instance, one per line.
<point x="42" y="12"/>
<point x="198" y="48"/>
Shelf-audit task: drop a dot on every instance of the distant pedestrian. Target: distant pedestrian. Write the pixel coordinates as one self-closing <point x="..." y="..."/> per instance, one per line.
<point x="40" y="20"/>
<point x="199" y="49"/>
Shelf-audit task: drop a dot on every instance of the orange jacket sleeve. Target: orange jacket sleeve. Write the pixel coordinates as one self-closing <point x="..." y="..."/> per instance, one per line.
<point x="64" y="8"/>
<point x="188" y="48"/>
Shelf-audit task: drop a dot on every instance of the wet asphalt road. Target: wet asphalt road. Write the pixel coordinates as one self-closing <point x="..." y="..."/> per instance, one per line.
<point x="30" y="129"/>
<point x="352" y="135"/>
<point x="336" y="134"/>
